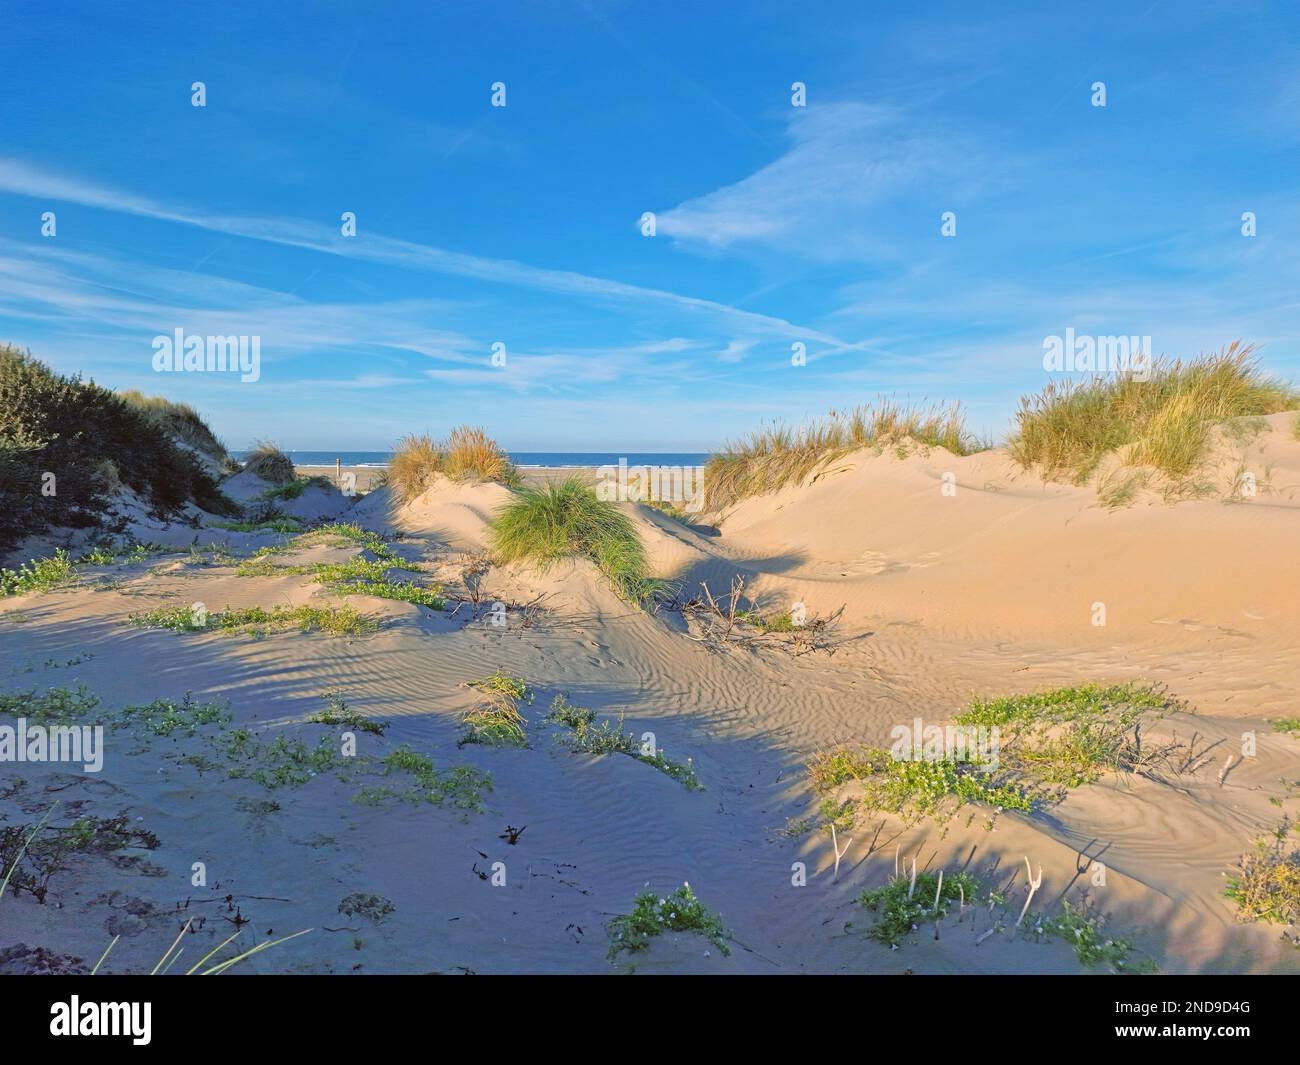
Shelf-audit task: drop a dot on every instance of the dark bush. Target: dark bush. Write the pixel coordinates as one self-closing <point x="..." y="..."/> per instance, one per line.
<point x="90" y="440"/>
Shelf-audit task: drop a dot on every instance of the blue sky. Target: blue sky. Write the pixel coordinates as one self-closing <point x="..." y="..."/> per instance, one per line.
<point x="519" y="225"/>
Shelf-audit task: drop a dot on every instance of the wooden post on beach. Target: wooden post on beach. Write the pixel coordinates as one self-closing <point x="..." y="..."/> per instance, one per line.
<point x="338" y="471"/>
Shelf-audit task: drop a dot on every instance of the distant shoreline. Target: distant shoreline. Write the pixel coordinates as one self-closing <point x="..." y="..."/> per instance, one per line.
<point x="575" y="460"/>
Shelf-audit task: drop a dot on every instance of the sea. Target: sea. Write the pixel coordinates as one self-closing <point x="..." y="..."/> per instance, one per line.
<point x="522" y="459"/>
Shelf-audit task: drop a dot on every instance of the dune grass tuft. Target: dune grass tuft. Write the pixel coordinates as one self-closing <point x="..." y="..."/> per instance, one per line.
<point x="271" y="464"/>
<point x="415" y="460"/>
<point x="565" y="519"/>
<point x="773" y="457"/>
<point x="471" y="455"/>
<point x="495" y="720"/>
<point x="468" y="454"/>
<point x="1164" y="422"/>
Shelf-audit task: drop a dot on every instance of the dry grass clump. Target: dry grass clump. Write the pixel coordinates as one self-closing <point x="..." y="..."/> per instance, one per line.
<point x="271" y="464"/>
<point x="771" y="458"/>
<point x="1165" y="421"/>
<point x="415" y="460"/>
<point x="496" y="720"/>
<point x="468" y="454"/>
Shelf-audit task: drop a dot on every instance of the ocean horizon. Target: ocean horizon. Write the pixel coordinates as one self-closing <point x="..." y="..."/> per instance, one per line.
<point x="522" y="459"/>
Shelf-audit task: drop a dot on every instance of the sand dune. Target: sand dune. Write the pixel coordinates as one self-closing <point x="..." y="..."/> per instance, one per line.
<point x="989" y="589"/>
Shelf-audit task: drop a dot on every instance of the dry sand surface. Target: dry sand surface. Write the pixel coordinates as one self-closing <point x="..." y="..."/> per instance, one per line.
<point x="987" y="590"/>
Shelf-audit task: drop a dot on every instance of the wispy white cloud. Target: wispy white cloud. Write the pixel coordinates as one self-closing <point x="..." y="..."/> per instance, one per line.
<point x="844" y="159"/>
<point x="23" y="179"/>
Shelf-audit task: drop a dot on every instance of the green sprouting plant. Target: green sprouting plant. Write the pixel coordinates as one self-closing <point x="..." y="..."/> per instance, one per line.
<point x="495" y="720"/>
<point x="653" y="914"/>
<point x="97" y="556"/>
<point x="682" y="772"/>
<point x="910" y="788"/>
<point x="904" y="905"/>
<point x="565" y="713"/>
<point x="1083" y="931"/>
<point x="461" y="786"/>
<point x="338" y="713"/>
<point x="356" y="576"/>
<point x="586" y="736"/>
<point x="165" y="717"/>
<point x="1080" y="702"/>
<point x="1070" y="736"/>
<point x="287" y="761"/>
<point x="1286" y="724"/>
<point x="55" y="706"/>
<point x="38" y="575"/>
<point x="284" y="525"/>
<point x="335" y="621"/>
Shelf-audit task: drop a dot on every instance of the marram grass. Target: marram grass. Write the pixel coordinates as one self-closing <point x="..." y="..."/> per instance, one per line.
<point x="268" y="462"/>
<point x="565" y="519"/>
<point x="1162" y="422"/>
<point x="468" y="454"/>
<point x="773" y="457"/>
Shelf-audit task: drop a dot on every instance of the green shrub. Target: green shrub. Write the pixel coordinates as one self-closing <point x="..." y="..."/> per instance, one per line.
<point x="90" y="439"/>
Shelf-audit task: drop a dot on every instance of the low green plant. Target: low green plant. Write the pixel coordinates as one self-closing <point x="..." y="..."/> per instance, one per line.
<point x="38" y="575"/>
<point x="909" y="788"/>
<point x="335" y="621"/>
<point x="462" y="787"/>
<point x="653" y="914"/>
<point x="295" y="488"/>
<point x="1084" y="931"/>
<point x="288" y="762"/>
<point x="586" y="736"/>
<point x="1068" y="737"/>
<point x="903" y="905"/>
<point x="55" y="706"/>
<point x="286" y="525"/>
<point x="338" y="714"/>
<point x="166" y="717"/>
